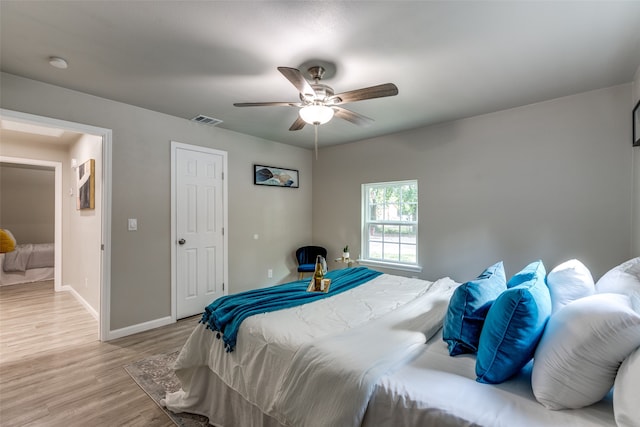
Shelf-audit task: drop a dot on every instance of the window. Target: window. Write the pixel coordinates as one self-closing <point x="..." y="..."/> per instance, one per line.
<point x="390" y="224"/>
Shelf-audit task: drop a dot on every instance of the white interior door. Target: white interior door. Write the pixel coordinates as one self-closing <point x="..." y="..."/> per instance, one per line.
<point x="199" y="229"/>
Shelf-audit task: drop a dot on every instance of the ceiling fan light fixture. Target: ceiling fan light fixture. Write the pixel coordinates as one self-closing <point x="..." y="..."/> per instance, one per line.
<point x="316" y="114"/>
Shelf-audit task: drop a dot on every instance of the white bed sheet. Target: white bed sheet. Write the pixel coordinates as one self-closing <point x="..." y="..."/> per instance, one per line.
<point x="437" y="389"/>
<point x="29" y="276"/>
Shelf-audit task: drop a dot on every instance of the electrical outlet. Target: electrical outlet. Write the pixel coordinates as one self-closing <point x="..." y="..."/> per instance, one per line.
<point x="270" y="273"/>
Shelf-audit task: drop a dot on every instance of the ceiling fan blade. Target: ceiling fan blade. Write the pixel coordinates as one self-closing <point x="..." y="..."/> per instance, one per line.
<point x="267" y="104"/>
<point x="298" y="124"/>
<point x="297" y="79"/>
<point x="379" y="91"/>
<point x="350" y="116"/>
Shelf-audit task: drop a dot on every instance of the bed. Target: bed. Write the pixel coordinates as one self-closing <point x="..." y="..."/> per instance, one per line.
<point x="28" y="262"/>
<point x="370" y="356"/>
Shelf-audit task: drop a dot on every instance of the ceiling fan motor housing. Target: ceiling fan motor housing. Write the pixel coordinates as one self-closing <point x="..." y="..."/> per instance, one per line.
<point x="323" y="93"/>
<point x="316" y="72"/>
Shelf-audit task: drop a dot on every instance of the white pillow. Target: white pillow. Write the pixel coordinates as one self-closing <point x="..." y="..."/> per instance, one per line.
<point x="626" y="392"/>
<point x="568" y="282"/>
<point x="623" y="279"/>
<point x="581" y="349"/>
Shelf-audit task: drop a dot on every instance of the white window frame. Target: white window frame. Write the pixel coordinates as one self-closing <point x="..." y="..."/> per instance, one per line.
<point x="366" y="222"/>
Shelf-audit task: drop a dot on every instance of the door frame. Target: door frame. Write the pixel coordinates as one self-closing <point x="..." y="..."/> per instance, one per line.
<point x="174" y="217"/>
<point x="104" y="323"/>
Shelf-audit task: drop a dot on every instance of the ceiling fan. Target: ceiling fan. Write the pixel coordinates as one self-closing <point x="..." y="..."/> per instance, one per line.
<point x="318" y="102"/>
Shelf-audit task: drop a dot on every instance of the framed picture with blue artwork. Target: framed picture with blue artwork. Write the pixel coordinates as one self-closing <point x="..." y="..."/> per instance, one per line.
<point x="275" y="176"/>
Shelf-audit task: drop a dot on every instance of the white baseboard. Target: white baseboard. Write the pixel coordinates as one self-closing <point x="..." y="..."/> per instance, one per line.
<point x="85" y="304"/>
<point x="140" y="327"/>
<point x="122" y="332"/>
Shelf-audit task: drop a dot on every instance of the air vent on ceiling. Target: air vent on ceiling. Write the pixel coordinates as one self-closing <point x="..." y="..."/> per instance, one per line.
<point x="205" y="120"/>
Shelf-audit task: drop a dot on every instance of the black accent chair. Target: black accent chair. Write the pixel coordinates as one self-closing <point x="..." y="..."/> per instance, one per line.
<point x="306" y="257"/>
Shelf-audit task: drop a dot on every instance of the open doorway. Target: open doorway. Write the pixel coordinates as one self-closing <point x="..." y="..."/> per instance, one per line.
<point x="30" y="210"/>
<point x="82" y="236"/>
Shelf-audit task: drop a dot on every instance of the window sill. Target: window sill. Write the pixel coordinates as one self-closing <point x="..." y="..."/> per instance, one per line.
<point x="390" y="265"/>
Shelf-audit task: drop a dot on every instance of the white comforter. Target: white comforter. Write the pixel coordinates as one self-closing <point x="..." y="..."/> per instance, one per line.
<point x="336" y="349"/>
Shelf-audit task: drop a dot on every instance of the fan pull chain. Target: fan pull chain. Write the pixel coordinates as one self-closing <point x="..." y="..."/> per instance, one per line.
<point x="315" y="126"/>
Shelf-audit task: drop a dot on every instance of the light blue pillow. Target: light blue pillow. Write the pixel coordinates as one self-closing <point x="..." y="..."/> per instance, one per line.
<point x="514" y="326"/>
<point x="468" y="308"/>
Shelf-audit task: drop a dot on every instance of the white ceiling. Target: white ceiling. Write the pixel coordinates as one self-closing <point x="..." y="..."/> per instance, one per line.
<point x="17" y="131"/>
<point x="449" y="59"/>
<point x="65" y="140"/>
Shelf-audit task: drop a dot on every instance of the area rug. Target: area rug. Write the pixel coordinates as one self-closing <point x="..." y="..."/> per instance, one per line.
<point x="155" y="376"/>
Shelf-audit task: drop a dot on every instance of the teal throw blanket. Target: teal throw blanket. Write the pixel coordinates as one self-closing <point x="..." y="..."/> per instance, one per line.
<point x="225" y="314"/>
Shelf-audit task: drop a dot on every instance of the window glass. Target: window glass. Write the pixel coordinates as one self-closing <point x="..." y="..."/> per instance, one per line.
<point x="390" y="222"/>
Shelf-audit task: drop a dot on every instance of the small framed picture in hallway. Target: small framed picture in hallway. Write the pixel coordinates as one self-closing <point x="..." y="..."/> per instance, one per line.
<point x="87" y="185"/>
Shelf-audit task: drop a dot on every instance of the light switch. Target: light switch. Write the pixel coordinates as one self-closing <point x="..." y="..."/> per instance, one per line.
<point x="133" y="224"/>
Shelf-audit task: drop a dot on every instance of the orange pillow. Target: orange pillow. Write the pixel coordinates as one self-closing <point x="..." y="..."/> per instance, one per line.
<point x="7" y="241"/>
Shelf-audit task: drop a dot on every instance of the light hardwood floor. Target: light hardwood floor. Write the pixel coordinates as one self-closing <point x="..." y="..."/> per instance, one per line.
<point x="55" y="372"/>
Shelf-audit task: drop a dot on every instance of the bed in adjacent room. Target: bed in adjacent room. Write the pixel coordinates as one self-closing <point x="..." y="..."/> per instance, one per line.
<point x="25" y="262"/>
<point x="373" y="355"/>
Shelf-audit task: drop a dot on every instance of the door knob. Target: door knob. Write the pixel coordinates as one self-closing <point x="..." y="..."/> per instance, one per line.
<point x="182" y="241"/>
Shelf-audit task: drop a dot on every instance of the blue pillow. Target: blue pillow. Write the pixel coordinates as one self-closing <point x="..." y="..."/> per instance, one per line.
<point x="514" y="326"/>
<point x="468" y="307"/>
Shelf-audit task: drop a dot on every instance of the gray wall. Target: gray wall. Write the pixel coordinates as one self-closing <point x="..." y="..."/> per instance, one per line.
<point x="548" y="181"/>
<point x="140" y="261"/>
<point x="27" y="202"/>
